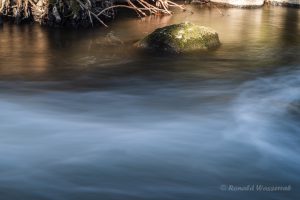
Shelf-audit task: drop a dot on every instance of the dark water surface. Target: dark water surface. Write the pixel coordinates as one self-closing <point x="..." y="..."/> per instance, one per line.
<point x="84" y="116"/>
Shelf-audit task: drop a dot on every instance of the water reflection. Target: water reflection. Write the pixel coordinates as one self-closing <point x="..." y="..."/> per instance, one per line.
<point x="38" y="53"/>
<point x="18" y="43"/>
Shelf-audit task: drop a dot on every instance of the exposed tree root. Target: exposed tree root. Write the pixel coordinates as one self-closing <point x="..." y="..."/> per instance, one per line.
<point x="79" y="12"/>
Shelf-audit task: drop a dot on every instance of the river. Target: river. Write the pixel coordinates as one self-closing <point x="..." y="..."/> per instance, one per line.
<point x="85" y="116"/>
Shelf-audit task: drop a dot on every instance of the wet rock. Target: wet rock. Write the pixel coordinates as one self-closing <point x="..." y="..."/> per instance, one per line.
<point x="290" y="3"/>
<point x="178" y="38"/>
<point x="112" y="40"/>
<point x="240" y="3"/>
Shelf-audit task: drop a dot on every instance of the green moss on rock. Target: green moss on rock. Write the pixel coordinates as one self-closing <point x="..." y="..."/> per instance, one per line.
<point x="179" y="38"/>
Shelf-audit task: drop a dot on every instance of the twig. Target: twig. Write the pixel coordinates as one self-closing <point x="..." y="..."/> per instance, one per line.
<point x="136" y="8"/>
<point x="35" y="6"/>
<point x="96" y="16"/>
<point x="120" y="6"/>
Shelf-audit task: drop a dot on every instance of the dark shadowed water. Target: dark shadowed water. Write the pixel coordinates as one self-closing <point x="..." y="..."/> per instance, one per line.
<point x="85" y="116"/>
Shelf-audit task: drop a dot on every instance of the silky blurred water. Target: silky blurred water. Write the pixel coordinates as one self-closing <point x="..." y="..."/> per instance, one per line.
<point x="85" y="116"/>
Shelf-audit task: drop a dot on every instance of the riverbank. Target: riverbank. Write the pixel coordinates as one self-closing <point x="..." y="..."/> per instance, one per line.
<point x="255" y="3"/>
<point x="78" y="14"/>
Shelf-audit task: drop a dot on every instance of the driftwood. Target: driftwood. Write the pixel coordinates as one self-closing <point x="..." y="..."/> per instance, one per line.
<point x="79" y="12"/>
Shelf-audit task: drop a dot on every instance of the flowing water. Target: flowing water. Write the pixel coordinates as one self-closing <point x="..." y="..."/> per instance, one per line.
<point x="85" y="116"/>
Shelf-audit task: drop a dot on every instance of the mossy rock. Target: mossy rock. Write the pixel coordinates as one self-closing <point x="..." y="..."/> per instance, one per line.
<point x="179" y="38"/>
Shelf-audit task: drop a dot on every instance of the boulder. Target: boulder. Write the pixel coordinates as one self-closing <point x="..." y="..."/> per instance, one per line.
<point x="291" y="3"/>
<point x="178" y="38"/>
<point x="240" y="3"/>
